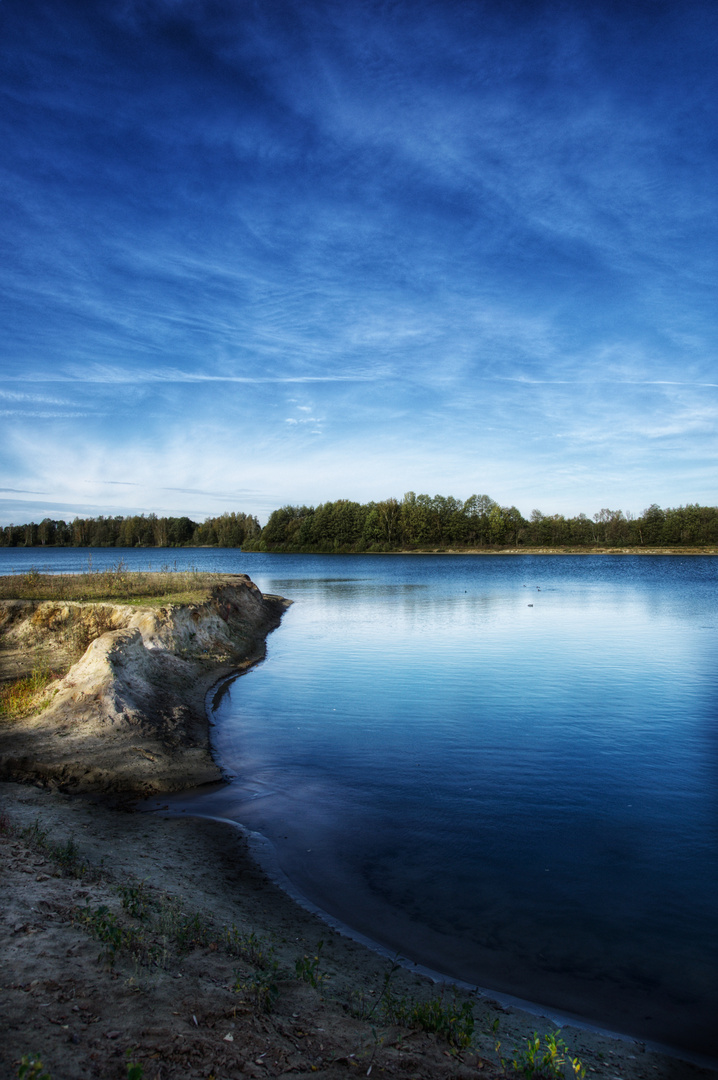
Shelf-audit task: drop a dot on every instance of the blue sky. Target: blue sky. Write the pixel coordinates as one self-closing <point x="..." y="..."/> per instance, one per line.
<point x="286" y="252"/>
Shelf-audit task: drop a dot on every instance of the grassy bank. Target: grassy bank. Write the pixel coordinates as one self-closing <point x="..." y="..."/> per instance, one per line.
<point x="117" y="584"/>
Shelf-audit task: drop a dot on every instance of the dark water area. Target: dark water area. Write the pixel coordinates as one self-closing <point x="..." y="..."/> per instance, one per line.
<point x="504" y="767"/>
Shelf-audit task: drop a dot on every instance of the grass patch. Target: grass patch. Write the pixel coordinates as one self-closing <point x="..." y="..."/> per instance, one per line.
<point x="452" y="1019"/>
<point x="449" y="1017"/>
<point x="261" y="989"/>
<point x="117" y="584"/>
<point x="248" y="947"/>
<point x="32" y="1068"/>
<point x="17" y="698"/>
<point x="66" y="857"/>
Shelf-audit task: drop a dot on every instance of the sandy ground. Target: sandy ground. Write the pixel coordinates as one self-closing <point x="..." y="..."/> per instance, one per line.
<point x="178" y="997"/>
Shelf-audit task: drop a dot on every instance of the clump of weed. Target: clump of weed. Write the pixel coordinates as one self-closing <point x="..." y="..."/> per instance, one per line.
<point x="261" y="989"/>
<point x="545" y="1060"/>
<point x="32" y="1068"/>
<point x="135" y="899"/>
<point x="451" y="1020"/>
<point x="187" y="930"/>
<point x="307" y="968"/>
<point x="363" y="1008"/>
<point x="105" y="926"/>
<point x="134" y="1069"/>
<point x="66" y="856"/>
<point x="249" y="947"/>
<point x="35" y="834"/>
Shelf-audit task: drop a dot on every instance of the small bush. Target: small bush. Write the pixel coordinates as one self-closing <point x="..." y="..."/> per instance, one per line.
<point x="135" y="899"/>
<point x="104" y="925"/>
<point x="186" y="930"/>
<point x="35" y="834"/>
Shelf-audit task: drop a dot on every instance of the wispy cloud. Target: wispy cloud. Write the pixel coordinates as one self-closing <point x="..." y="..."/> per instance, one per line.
<point x="117" y="376"/>
<point x="470" y="246"/>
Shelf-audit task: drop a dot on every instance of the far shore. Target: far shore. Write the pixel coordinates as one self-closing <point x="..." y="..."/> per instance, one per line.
<point x="566" y="549"/>
<point x="547" y="551"/>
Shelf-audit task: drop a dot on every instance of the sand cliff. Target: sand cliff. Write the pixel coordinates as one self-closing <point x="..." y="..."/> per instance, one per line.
<point x="129" y="715"/>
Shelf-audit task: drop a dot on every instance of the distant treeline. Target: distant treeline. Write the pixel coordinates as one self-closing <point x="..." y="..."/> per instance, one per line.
<point x="229" y="530"/>
<point x="418" y="522"/>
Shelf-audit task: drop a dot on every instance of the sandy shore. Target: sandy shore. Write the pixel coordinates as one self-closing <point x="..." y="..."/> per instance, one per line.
<point x="170" y="1004"/>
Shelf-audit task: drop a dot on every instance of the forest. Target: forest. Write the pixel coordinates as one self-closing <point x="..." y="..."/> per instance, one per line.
<point x="229" y="530"/>
<point x="414" y="523"/>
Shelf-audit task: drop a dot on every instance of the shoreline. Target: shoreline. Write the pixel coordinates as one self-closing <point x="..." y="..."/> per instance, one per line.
<point x="180" y="1011"/>
<point x="188" y="804"/>
<point x="264" y="853"/>
<point x="708" y="550"/>
<point x="188" y="855"/>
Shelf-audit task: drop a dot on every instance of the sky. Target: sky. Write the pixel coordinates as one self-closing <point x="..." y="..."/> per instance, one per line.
<point x="265" y="253"/>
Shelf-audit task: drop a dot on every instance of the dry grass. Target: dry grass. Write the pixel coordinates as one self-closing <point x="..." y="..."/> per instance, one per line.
<point x="17" y="698"/>
<point x="117" y="584"/>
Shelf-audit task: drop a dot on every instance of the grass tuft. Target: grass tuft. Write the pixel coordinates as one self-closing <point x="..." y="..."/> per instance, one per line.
<point x="17" y="698"/>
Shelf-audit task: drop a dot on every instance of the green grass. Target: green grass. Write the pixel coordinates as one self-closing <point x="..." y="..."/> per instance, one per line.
<point x="66" y="856"/>
<point x="545" y="1060"/>
<point x="451" y="1019"/>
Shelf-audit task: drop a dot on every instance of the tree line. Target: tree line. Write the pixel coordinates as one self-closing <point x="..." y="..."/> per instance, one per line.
<point x="229" y="530"/>
<point x="417" y="522"/>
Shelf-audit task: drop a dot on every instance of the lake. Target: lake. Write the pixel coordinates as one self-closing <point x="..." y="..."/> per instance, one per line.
<point x="503" y="767"/>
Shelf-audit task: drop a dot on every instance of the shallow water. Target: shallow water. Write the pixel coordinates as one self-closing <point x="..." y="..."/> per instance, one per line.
<point x="503" y="767"/>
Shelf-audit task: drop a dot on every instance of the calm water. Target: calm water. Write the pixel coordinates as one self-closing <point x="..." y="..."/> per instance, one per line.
<point x="503" y="767"/>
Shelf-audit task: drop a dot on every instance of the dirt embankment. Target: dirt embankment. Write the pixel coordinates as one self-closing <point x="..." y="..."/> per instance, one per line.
<point x="130" y="714"/>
